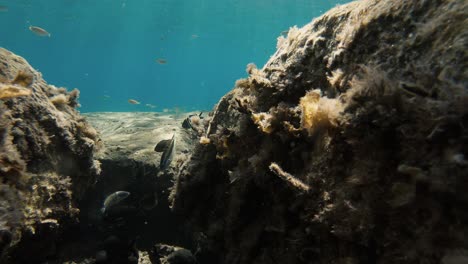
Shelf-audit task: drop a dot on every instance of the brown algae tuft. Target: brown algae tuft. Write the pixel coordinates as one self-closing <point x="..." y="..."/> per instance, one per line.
<point x="23" y="79"/>
<point x="319" y="112"/>
<point x="59" y="100"/>
<point x="11" y="91"/>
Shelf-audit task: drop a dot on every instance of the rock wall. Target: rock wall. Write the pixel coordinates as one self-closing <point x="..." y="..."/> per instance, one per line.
<point x="46" y="161"/>
<point x="348" y="146"/>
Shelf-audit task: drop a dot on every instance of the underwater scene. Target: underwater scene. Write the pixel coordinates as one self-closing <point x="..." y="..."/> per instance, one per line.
<point x="233" y="132"/>
<point x="163" y="54"/>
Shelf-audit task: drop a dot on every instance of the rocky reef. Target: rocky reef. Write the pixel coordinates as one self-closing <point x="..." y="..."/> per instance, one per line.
<point x="46" y="161"/>
<point x="348" y="146"/>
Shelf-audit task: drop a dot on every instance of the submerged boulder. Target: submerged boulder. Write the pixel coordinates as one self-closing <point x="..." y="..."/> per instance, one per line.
<point x="46" y="161"/>
<point x="167" y="254"/>
<point x="348" y="146"/>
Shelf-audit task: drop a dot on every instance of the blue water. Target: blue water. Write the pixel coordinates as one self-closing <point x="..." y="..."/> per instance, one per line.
<point x="108" y="48"/>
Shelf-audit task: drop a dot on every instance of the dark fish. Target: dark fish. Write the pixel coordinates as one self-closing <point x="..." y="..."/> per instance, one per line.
<point x="3" y="8"/>
<point x="187" y="123"/>
<point x="162" y="145"/>
<point x="114" y="199"/>
<point x="167" y="147"/>
<point x="161" y="61"/>
<point x="39" y="31"/>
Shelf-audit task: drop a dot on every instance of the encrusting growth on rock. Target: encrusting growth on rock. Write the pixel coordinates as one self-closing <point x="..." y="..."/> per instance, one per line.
<point x="12" y="91"/>
<point x="59" y="100"/>
<point x="204" y="140"/>
<point x="291" y="180"/>
<point x="319" y="112"/>
<point x="23" y="79"/>
<point x="17" y="87"/>
<point x="263" y="121"/>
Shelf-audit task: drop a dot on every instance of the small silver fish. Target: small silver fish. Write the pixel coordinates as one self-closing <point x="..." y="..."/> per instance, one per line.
<point x="39" y="31"/>
<point x="167" y="147"/>
<point x="114" y="199"/>
<point x="133" y="101"/>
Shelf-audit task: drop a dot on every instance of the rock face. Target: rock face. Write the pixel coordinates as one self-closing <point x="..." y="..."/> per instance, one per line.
<point x="349" y="146"/>
<point x="46" y="161"/>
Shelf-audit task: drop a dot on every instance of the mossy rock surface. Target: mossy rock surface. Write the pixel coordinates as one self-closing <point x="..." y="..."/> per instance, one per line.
<point x="366" y="108"/>
<point x="46" y="161"/>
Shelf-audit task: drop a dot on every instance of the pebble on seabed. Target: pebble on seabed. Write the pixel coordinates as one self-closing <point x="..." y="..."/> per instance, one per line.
<point x="101" y="256"/>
